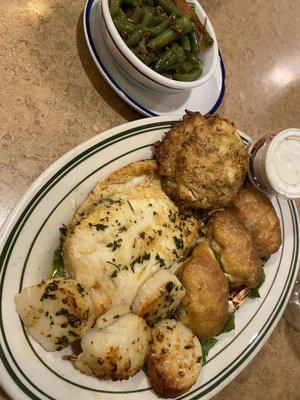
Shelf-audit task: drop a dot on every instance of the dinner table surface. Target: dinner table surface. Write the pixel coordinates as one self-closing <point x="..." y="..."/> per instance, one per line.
<point x="53" y="98"/>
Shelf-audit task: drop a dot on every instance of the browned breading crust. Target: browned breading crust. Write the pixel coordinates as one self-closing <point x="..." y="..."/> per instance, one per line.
<point x="204" y="309"/>
<point x="233" y="243"/>
<point x="260" y="218"/>
<point x="202" y="161"/>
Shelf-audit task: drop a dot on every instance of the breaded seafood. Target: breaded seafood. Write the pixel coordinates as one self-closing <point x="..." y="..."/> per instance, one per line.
<point x="260" y="218"/>
<point x="202" y="161"/>
<point x="175" y="359"/>
<point x="235" y="249"/>
<point x="126" y="230"/>
<point x="204" y="309"/>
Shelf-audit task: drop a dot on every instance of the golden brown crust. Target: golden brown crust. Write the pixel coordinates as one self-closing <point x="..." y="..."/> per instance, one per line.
<point x="204" y="309"/>
<point x="260" y="218"/>
<point x="233" y="243"/>
<point x="202" y="161"/>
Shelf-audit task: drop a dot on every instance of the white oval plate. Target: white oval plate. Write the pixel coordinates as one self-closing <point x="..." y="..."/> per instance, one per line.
<point x="30" y="236"/>
<point x="205" y="98"/>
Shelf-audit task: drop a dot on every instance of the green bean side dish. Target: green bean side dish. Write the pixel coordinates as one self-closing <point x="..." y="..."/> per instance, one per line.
<point x="165" y="35"/>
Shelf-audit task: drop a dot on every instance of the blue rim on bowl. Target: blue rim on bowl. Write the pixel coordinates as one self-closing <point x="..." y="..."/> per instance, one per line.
<point x="112" y="82"/>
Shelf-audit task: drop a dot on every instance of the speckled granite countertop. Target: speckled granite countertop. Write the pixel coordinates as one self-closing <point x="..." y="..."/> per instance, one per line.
<point x="53" y="98"/>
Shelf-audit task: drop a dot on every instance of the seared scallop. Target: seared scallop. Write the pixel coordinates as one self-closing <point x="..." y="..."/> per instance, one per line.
<point x="117" y="351"/>
<point x="202" y="161"/>
<point x="110" y="316"/>
<point x="55" y="312"/>
<point x="204" y="309"/>
<point x="235" y="249"/>
<point x="158" y="297"/>
<point x="175" y="359"/>
<point x="260" y="218"/>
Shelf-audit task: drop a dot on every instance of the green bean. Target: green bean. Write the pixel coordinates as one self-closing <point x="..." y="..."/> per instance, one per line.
<point x="147" y="16"/>
<point x="157" y="19"/>
<point x="193" y="58"/>
<point x="146" y="59"/>
<point x="189" y="76"/>
<point x="194" y="41"/>
<point x="185" y="43"/>
<point x="123" y="26"/>
<point x="209" y="41"/>
<point x="183" y="25"/>
<point x="187" y="66"/>
<point x="167" y="75"/>
<point x="114" y="7"/>
<point x="133" y="3"/>
<point x="120" y="13"/>
<point x="157" y="30"/>
<point x="135" y="36"/>
<point x="163" y="39"/>
<point x="168" y="5"/>
<point x="170" y="58"/>
<point x="137" y="15"/>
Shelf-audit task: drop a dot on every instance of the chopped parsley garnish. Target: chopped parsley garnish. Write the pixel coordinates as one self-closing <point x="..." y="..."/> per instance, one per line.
<point x="51" y="287"/>
<point x="114" y="274"/>
<point x="160" y="260"/>
<point x="178" y="242"/>
<point x="140" y="259"/>
<point x="62" y="342"/>
<point x="99" y="227"/>
<point x="130" y="205"/>
<point x="169" y="286"/>
<point x="80" y="288"/>
<point x="111" y="201"/>
<point x="115" y="244"/>
<point x="73" y="320"/>
<point x="172" y="216"/>
<point x="142" y="235"/>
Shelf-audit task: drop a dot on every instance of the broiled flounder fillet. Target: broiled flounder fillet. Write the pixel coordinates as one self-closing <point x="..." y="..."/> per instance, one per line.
<point x="260" y="218"/>
<point x="202" y="161"/>
<point x="125" y="231"/>
<point x="233" y="244"/>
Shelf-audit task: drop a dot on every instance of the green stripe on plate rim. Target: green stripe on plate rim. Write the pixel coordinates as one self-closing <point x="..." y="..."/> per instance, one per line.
<point x="25" y="265"/>
<point x="50" y="183"/>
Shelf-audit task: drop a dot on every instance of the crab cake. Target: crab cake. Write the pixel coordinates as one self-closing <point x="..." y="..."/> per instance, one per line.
<point x="260" y="218"/>
<point x="125" y="231"/>
<point x="175" y="359"/>
<point x="202" y="161"/>
<point x="204" y="309"/>
<point x="233" y="245"/>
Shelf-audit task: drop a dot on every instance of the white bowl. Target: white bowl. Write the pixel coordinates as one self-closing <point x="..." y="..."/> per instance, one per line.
<point x="133" y="67"/>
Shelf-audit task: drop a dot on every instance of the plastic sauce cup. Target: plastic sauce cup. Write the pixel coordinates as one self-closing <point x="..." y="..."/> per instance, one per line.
<point x="274" y="163"/>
